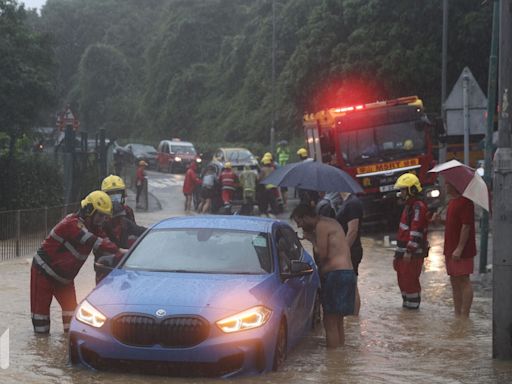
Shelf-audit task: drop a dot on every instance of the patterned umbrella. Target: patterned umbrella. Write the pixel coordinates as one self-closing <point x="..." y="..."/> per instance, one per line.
<point x="465" y="180"/>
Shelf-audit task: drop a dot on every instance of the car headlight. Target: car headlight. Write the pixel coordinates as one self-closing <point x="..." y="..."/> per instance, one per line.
<point x="177" y="158"/>
<point x="434" y="193"/>
<point x="249" y="319"/>
<point x="199" y="160"/>
<point x="89" y="315"/>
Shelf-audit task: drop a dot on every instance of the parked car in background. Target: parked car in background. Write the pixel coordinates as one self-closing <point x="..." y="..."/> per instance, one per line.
<point x="238" y="157"/>
<point x="138" y="152"/>
<point x="200" y="296"/>
<point x="176" y="155"/>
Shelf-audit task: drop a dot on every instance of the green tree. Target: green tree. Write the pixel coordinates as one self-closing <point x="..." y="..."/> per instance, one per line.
<point x="104" y="87"/>
<point x="26" y="65"/>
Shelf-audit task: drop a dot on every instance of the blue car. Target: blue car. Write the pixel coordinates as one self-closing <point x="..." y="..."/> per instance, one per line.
<point x="200" y="296"/>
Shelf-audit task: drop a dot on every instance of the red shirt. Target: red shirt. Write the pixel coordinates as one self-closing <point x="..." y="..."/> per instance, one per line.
<point x="191" y="181"/>
<point x="460" y="211"/>
<point x="140" y="174"/>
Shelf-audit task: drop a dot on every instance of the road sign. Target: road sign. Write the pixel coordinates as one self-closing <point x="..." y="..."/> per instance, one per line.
<point x="67" y="117"/>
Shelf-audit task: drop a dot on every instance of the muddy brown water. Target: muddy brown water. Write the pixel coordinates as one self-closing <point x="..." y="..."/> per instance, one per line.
<point x="385" y="344"/>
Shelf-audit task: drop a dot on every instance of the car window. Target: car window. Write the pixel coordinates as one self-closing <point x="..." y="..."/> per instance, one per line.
<point x="203" y="251"/>
<point x="219" y="155"/>
<point x="183" y="148"/>
<point x="283" y="251"/>
<point x="295" y="250"/>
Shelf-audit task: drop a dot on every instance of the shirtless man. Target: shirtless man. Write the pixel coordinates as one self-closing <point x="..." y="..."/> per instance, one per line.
<point x="338" y="277"/>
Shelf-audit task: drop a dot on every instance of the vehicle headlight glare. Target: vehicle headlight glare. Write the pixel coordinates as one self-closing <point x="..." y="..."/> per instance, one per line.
<point x="199" y="160"/>
<point x="434" y="193"/>
<point x="177" y="158"/>
<point x="249" y="319"/>
<point x="89" y="315"/>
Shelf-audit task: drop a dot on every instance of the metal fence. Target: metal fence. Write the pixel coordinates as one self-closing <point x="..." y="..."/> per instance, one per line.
<point x="22" y="231"/>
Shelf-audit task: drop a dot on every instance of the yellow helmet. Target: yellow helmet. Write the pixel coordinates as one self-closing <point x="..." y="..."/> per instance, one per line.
<point x="266" y="160"/>
<point x="302" y="152"/>
<point x="97" y="201"/>
<point x="227" y="165"/>
<point x="112" y="183"/>
<point x="408" y="144"/>
<point x="267" y="154"/>
<point x="409" y="180"/>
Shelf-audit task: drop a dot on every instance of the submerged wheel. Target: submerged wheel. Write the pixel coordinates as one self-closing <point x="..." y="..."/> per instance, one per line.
<point x="316" y="316"/>
<point x="281" y="347"/>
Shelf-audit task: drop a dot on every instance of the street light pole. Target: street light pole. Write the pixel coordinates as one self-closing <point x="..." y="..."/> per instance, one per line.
<point x="502" y="204"/>
<point x="272" y="127"/>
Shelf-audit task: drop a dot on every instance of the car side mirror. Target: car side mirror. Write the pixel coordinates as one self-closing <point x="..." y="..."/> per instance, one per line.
<point x="297" y="269"/>
<point x="105" y="264"/>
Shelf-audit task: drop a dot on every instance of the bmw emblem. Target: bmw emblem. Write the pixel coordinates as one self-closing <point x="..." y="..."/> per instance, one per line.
<point x="160" y="313"/>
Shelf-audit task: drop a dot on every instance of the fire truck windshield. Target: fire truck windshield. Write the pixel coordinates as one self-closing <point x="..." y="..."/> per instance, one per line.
<point x="381" y="143"/>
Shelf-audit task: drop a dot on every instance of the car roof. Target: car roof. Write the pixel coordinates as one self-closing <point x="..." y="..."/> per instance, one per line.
<point x="187" y="143"/>
<point x="233" y="149"/>
<point x="235" y="222"/>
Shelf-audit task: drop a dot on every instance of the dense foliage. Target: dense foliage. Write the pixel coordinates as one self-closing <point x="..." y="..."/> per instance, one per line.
<point x="202" y="69"/>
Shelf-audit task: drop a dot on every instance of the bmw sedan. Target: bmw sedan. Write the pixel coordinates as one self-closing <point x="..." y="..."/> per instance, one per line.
<point x="200" y="296"/>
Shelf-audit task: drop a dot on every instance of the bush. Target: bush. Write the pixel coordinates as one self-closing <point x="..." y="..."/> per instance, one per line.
<point x="29" y="181"/>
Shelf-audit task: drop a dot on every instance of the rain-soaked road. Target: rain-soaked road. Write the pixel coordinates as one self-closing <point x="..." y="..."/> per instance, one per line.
<point x="385" y="344"/>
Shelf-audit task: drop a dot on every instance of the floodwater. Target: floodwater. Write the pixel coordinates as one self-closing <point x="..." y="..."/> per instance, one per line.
<point x="385" y="344"/>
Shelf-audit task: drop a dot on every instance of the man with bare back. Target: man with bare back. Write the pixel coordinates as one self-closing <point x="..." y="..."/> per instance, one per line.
<point x="338" y="277"/>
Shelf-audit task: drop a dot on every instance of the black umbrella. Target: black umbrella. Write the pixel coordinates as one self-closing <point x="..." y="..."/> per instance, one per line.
<point x="313" y="176"/>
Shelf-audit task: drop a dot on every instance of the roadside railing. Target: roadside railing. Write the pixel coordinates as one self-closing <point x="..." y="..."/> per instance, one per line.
<point x="23" y="230"/>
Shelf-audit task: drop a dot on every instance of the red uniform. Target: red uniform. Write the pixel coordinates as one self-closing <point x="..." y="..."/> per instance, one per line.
<point x="228" y="182"/>
<point x="411" y="238"/>
<point x="460" y="211"/>
<point x="55" y="266"/>
<point x="192" y="181"/>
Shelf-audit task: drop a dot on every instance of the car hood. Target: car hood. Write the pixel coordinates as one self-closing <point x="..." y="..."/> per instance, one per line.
<point x="125" y="287"/>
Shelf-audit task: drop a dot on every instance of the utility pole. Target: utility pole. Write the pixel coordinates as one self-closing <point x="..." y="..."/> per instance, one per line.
<point x="491" y="109"/>
<point x="272" y="128"/>
<point x="444" y="65"/>
<point x="502" y="204"/>
<point x="465" y="114"/>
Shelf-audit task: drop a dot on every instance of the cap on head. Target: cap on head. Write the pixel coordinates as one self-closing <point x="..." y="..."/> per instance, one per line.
<point x="97" y="201"/>
<point x="143" y="163"/>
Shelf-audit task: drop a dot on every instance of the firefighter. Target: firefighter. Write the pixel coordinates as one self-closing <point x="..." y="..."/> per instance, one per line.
<point x="268" y="192"/>
<point x="248" y="180"/>
<point x="227" y="180"/>
<point x="61" y="256"/>
<point x="302" y="153"/>
<point x="306" y="196"/>
<point x="283" y="156"/>
<point x="122" y="231"/>
<point x="115" y="187"/>
<point x="412" y="245"/>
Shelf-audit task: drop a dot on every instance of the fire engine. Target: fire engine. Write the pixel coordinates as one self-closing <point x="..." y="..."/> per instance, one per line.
<point x="376" y="143"/>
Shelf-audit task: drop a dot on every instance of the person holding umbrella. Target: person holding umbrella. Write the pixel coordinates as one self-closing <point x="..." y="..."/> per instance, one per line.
<point x="459" y="248"/>
<point x="464" y="186"/>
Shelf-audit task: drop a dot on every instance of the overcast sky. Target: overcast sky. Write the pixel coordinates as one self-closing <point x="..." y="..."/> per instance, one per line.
<point x="33" y="3"/>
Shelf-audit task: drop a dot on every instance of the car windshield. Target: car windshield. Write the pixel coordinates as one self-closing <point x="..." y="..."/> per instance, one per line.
<point x="382" y="143"/>
<point x="202" y="250"/>
<point x="239" y="155"/>
<point x="188" y="149"/>
<point x="141" y="148"/>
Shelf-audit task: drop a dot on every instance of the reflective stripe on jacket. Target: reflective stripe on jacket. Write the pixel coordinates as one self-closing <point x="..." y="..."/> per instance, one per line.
<point x="67" y="247"/>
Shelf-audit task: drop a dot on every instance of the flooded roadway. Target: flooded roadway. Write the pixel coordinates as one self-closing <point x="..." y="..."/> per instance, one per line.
<point x="385" y="344"/>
